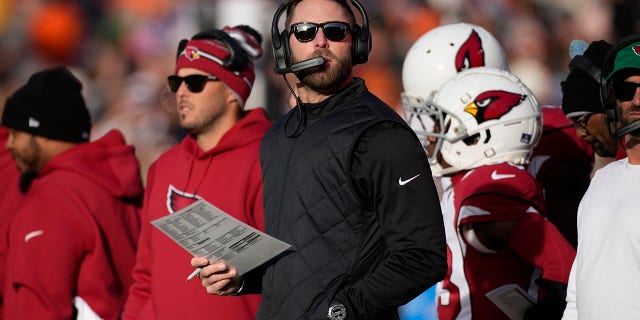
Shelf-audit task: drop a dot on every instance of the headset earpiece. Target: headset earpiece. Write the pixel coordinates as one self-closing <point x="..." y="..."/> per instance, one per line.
<point x="361" y="45"/>
<point x="280" y="42"/>
<point x="284" y="35"/>
<point x="237" y="58"/>
<point x="361" y="37"/>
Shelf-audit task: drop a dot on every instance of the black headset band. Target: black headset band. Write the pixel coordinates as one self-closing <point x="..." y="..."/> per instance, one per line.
<point x="585" y="65"/>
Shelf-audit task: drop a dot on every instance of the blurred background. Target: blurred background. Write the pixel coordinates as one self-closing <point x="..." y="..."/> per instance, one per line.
<point x="123" y="50"/>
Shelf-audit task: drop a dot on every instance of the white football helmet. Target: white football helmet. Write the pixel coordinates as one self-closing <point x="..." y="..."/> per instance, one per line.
<point x="446" y="50"/>
<point x="441" y="53"/>
<point x="482" y="116"/>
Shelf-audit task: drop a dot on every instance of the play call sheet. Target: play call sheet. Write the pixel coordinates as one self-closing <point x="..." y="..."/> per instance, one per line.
<point x="206" y="231"/>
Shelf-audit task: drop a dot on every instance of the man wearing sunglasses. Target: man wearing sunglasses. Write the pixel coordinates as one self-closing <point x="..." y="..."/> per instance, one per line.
<point x="346" y="182"/>
<point x="608" y="219"/>
<point x="582" y="105"/>
<point x="217" y="161"/>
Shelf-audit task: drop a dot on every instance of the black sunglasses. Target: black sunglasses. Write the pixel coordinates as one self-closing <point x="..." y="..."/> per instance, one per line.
<point x="333" y="30"/>
<point x="624" y="91"/>
<point x="195" y="82"/>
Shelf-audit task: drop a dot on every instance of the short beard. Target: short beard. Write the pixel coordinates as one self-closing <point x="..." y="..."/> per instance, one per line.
<point x="323" y="80"/>
<point x="25" y="181"/>
<point x="624" y="122"/>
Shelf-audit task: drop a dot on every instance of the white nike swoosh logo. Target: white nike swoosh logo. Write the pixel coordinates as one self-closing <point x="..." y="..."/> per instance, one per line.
<point x="497" y="176"/>
<point x="402" y="183"/>
<point x="32" y="235"/>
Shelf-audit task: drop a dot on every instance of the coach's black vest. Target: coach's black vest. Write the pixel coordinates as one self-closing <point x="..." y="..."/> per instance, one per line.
<point x="310" y="202"/>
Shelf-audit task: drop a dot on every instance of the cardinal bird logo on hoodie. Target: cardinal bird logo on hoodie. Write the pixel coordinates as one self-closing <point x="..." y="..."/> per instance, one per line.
<point x="471" y="53"/>
<point x="177" y="199"/>
<point x="491" y="105"/>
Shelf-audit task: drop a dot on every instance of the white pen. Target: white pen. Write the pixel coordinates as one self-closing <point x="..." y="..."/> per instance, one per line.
<point x="194" y="273"/>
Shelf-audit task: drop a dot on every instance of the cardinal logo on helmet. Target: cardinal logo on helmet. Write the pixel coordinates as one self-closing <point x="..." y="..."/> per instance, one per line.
<point x="493" y="104"/>
<point x="471" y="53"/>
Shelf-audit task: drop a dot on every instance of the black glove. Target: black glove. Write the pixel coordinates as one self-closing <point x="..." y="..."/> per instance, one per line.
<point x="552" y="305"/>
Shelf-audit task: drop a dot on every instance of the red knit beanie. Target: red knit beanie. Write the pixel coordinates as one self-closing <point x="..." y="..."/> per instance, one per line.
<point x="209" y="55"/>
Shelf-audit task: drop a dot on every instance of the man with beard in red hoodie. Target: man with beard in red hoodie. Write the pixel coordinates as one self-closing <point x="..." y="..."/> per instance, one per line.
<point x="10" y="197"/>
<point x="72" y="240"/>
<point x="217" y="161"/>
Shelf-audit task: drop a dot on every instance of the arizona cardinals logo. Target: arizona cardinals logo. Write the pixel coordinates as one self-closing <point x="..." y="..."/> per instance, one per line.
<point x="191" y="53"/>
<point x="636" y="50"/>
<point x="177" y="200"/>
<point x="493" y="104"/>
<point x="471" y="53"/>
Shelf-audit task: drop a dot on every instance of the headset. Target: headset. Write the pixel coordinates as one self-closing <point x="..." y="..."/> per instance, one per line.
<point x="237" y="58"/>
<point x="282" y="54"/>
<point x="584" y="64"/>
<point x="606" y="93"/>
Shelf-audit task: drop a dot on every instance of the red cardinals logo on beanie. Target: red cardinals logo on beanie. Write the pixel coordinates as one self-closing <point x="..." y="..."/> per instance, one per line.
<point x="191" y="53"/>
<point x="209" y="54"/>
<point x="493" y="104"/>
<point x="636" y="50"/>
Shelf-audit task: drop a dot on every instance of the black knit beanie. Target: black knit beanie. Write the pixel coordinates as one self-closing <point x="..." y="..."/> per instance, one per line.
<point x="50" y="105"/>
<point x="580" y="90"/>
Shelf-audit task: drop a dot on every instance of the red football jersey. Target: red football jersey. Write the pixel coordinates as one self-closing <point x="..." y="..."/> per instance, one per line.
<point x="558" y="142"/>
<point x="489" y="193"/>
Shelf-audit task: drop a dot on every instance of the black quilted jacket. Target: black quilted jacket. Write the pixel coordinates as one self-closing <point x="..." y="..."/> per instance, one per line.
<point x="350" y="242"/>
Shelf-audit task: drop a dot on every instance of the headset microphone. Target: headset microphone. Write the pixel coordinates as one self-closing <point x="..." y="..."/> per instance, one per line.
<point x="302" y="65"/>
<point x="627" y="129"/>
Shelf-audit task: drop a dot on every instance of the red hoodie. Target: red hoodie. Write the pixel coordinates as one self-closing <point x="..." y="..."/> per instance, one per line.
<point x="228" y="176"/>
<point x="9" y="198"/>
<point x="73" y="238"/>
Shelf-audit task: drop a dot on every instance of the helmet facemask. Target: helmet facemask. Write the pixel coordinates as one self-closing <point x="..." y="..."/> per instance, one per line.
<point x="481" y="116"/>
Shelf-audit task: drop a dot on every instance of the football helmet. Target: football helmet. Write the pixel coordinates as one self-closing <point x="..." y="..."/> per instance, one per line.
<point x="481" y="116"/>
<point x="446" y="50"/>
